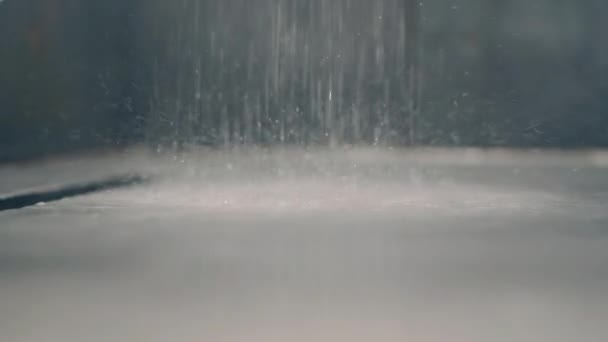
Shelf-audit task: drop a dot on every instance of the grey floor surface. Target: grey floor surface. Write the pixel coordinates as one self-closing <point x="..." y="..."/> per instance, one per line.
<point x="293" y="245"/>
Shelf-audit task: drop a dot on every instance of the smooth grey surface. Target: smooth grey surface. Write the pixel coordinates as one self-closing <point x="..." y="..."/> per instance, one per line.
<point x="344" y="245"/>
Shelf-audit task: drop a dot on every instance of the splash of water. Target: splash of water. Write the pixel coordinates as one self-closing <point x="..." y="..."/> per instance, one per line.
<point x="286" y="71"/>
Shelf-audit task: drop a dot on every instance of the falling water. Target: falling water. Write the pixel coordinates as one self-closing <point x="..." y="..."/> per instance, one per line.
<point x="286" y="71"/>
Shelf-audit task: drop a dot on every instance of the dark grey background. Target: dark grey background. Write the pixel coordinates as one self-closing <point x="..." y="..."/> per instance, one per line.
<point x="81" y="74"/>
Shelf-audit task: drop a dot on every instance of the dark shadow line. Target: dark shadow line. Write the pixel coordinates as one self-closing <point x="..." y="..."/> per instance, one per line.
<point x="29" y="199"/>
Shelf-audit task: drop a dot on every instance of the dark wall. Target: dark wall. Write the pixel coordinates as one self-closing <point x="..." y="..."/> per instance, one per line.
<point x="79" y="74"/>
<point x="67" y="75"/>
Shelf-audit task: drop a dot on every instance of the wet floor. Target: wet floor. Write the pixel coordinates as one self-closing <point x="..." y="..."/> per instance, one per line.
<point x="318" y="246"/>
